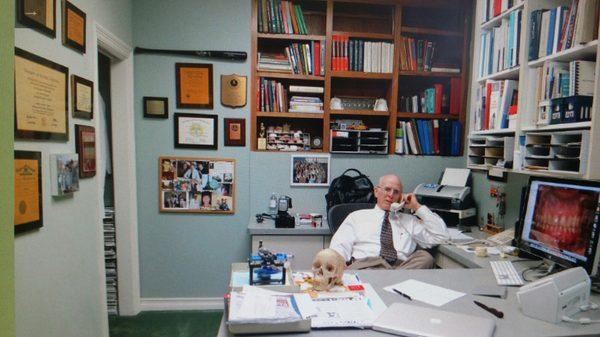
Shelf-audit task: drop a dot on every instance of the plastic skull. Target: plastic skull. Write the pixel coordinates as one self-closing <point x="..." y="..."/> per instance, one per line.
<point x="328" y="269"/>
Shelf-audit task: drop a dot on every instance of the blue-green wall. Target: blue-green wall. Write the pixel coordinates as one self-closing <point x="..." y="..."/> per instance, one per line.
<point x="189" y="255"/>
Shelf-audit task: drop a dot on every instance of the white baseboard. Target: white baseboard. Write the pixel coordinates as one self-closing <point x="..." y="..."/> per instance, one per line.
<point x="183" y="303"/>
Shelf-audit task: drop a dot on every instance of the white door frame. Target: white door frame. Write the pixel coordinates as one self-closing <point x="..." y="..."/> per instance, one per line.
<point x="123" y="162"/>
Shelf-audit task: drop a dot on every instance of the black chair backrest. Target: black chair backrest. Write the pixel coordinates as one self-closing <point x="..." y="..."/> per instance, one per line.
<point x="338" y="213"/>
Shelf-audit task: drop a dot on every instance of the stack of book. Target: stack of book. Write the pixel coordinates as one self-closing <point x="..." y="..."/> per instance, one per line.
<point x="500" y="46"/>
<point x="110" y="260"/>
<point x="495" y="101"/>
<point x="275" y="62"/>
<point x="428" y="137"/>
<point x="560" y="28"/>
<point x="563" y="79"/>
<point x="306" y="104"/>
<point x="307" y="58"/>
<point x="493" y="8"/>
<point x="361" y="55"/>
<point x="280" y="16"/>
<point x="272" y="96"/>
<point x="417" y="55"/>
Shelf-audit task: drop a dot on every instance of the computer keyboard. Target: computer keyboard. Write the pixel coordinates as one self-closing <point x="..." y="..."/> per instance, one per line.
<point x="506" y="274"/>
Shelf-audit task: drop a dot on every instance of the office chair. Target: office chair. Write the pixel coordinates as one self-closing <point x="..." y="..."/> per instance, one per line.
<point x="338" y="213"/>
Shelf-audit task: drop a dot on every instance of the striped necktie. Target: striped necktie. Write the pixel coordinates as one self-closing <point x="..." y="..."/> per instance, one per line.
<point x="388" y="252"/>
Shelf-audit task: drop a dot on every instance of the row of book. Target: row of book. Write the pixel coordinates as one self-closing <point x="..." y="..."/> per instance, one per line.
<point x="361" y="55"/>
<point x="416" y="55"/>
<point x="500" y="45"/>
<point x="493" y="8"/>
<point x="496" y="103"/>
<point x="306" y="104"/>
<point x="273" y="97"/>
<point x="435" y="100"/>
<point x="560" y="28"/>
<point x="428" y="137"/>
<point x="299" y="58"/>
<point x="563" y="79"/>
<point x="110" y="261"/>
<point x="280" y="16"/>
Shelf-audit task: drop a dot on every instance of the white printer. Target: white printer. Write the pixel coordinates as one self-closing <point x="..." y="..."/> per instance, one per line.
<point x="451" y="198"/>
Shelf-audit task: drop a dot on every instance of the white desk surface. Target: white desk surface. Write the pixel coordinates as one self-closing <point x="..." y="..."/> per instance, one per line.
<point x="267" y="227"/>
<point x="514" y="324"/>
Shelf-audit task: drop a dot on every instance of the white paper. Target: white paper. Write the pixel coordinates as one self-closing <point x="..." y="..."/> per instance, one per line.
<point x="258" y="305"/>
<point x="490" y="250"/>
<point x="305" y="305"/>
<point x="455" y="234"/>
<point x="455" y="177"/>
<point x="425" y="292"/>
<point x="342" y="310"/>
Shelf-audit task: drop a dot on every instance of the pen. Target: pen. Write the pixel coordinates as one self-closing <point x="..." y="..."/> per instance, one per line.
<point x="401" y="293"/>
<point x="492" y="311"/>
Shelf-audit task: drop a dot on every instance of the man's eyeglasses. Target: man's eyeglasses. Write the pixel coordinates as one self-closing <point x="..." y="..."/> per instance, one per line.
<point x="389" y="190"/>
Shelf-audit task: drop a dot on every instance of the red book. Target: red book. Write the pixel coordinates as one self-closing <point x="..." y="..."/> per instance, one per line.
<point x="486" y="115"/>
<point x="497" y="7"/>
<point x="317" y="58"/>
<point x="436" y="136"/>
<point x="455" y="96"/>
<point x="438" y="98"/>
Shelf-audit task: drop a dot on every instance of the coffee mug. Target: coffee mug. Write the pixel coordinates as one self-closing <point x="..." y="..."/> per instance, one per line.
<point x="335" y="104"/>
<point x="380" y="105"/>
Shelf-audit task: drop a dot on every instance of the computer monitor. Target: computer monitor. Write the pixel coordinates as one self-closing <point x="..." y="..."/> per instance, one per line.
<point x="559" y="222"/>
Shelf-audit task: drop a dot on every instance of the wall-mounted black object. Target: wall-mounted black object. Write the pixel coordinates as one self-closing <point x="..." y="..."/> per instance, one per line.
<point x="218" y="54"/>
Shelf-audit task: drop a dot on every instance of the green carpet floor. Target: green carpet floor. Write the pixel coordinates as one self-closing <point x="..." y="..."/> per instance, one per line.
<point x="167" y="324"/>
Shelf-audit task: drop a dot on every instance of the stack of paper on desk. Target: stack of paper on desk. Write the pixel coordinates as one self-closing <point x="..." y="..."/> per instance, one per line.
<point x="425" y="292"/>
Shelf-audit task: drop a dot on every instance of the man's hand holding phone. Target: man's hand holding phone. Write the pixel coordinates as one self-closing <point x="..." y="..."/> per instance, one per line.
<point x="410" y="201"/>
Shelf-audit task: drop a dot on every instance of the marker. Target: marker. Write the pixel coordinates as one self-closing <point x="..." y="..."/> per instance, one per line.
<point x="401" y="293"/>
<point x="492" y="311"/>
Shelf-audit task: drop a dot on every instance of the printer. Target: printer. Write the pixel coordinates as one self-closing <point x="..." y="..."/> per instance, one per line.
<point x="451" y="198"/>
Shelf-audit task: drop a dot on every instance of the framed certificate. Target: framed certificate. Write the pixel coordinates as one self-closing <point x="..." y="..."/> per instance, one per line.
<point x="83" y="97"/>
<point x="196" y="131"/>
<point x="85" y="140"/>
<point x="194" y="85"/>
<point x="28" y="191"/>
<point x="235" y="131"/>
<point x="41" y="98"/>
<point x="74" y="22"/>
<point x="38" y="14"/>
<point x="156" y="107"/>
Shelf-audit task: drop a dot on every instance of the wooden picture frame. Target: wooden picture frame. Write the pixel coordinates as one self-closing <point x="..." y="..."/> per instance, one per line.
<point x="41" y="98"/>
<point x="73" y="27"/>
<point x="196" y="185"/>
<point x="310" y="170"/>
<point x="82" y="94"/>
<point x="235" y="131"/>
<point x="196" y="131"/>
<point x="156" y="107"/>
<point x="38" y="14"/>
<point x="85" y="140"/>
<point x="28" y="209"/>
<point x="194" y="85"/>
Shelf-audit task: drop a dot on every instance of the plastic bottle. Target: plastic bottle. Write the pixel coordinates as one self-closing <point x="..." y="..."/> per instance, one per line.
<point x="273" y="204"/>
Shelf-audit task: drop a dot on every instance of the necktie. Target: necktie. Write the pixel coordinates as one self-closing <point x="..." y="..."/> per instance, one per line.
<point x="388" y="252"/>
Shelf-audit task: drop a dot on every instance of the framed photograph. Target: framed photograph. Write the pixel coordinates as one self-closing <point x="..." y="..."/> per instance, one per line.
<point x="235" y="131"/>
<point x="82" y="97"/>
<point x="196" y="185"/>
<point x="73" y="22"/>
<point x="38" y="14"/>
<point x="156" y="107"/>
<point x="310" y="170"/>
<point x="41" y="98"/>
<point x="64" y="174"/>
<point x="86" y="148"/>
<point x="194" y="85"/>
<point x="196" y="131"/>
<point x="28" y="191"/>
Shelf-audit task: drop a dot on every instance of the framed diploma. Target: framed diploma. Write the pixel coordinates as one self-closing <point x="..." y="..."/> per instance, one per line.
<point x="196" y="131"/>
<point x="38" y="14"/>
<point x="156" y="107"/>
<point x="83" y="97"/>
<point x="73" y="21"/>
<point x="235" y="131"/>
<point x="41" y="98"/>
<point x="85" y="140"/>
<point x="28" y="191"/>
<point x="233" y="90"/>
<point x="196" y="185"/>
<point x="194" y="85"/>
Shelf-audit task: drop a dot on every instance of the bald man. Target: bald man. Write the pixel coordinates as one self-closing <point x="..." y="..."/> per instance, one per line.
<point x="378" y="238"/>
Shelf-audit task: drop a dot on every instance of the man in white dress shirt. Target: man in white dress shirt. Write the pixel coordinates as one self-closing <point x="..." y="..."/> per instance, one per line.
<point x="378" y="238"/>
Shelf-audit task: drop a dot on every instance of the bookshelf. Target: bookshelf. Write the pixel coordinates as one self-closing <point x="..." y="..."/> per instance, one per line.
<point x="351" y="25"/>
<point x="553" y="136"/>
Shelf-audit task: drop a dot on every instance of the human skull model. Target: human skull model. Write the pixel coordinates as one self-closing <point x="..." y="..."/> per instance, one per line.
<point x="328" y="269"/>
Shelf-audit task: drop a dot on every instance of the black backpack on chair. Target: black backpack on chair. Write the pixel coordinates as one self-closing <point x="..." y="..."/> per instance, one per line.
<point x="347" y="189"/>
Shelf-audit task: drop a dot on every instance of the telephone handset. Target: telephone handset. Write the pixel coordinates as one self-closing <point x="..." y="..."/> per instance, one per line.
<point x="503" y="238"/>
